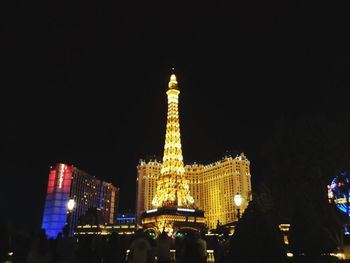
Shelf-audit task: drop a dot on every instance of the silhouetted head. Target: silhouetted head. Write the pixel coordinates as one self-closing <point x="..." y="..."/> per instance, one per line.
<point x="163" y="235"/>
<point x="59" y="235"/>
<point x="197" y="234"/>
<point x="191" y="235"/>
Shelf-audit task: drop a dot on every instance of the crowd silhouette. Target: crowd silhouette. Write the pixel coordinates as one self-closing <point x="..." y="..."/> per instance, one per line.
<point x="114" y="248"/>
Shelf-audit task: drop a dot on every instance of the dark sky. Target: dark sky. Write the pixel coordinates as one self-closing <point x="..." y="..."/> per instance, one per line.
<point x="84" y="83"/>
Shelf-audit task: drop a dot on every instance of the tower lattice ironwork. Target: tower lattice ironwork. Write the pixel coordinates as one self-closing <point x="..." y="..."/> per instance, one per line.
<point x="172" y="186"/>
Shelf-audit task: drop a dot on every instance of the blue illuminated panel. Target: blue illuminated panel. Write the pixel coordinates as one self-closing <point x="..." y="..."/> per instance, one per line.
<point x="339" y="190"/>
<point x="55" y="211"/>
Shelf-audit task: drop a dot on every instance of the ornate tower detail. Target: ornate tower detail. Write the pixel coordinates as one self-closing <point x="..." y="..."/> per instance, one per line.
<point x="172" y="186"/>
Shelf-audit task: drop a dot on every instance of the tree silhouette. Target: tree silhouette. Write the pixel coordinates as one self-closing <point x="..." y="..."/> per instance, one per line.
<point x="302" y="157"/>
<point x="256" y="238"/>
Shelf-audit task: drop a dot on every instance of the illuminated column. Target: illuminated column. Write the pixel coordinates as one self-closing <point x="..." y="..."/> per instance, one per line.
<point x="172" y="186"/>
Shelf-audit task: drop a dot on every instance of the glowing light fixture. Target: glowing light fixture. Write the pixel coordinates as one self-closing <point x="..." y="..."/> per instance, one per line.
<point x="151" y="211"/>
<point x="185" y="210"/>
<point x="70" y="205"/>
<point x="238" y="200"/>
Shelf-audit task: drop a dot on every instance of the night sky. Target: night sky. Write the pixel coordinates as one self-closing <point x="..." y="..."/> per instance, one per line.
<point x="84" y="83"/>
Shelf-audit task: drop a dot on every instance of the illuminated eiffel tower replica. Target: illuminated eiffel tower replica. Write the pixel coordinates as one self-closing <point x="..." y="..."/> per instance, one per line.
<point x="174" y="207"/>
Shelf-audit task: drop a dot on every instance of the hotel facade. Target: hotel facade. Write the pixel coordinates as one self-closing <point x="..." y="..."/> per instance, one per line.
<point x="70" y="193"/>
<point x="212" y="186"/>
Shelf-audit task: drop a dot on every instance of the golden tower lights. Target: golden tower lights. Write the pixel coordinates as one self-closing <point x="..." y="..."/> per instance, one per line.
<point x="172" y="186"/>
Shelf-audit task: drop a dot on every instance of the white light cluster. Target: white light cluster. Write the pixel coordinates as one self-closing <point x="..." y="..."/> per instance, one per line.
<point x="151" y="211"/>
<point x="186" y="210"/>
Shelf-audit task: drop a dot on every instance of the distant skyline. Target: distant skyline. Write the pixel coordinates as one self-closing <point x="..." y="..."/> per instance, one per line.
<point x="85" y="85"/>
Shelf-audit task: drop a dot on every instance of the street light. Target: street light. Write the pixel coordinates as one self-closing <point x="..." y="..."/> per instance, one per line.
<point x="70" y="207"/>
<point x="238" y="201"/>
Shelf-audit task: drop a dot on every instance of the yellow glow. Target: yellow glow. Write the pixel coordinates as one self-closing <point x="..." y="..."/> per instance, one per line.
<point x="172" y="82"/>
<point x="340" y="201"/>
<point x="340" y="256"/>
<point x="284" y="227"/>
<point x="211" y="186"/>
<point x="290" y="255"/>
<point x="172" y="187"/>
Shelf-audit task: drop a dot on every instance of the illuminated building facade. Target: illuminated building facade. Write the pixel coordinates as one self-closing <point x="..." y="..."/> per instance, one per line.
<point x="93" y="224"/>
<point x="68" y="183"/>
<point x="86" y="230"/>
<point x="146" y="185"/>
<point x="212" y="186"/>
<point x="215" y="186"/>
<point x="126" y="218"/>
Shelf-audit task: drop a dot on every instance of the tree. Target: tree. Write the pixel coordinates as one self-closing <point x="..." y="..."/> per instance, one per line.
<point x="302" y="158"/>
<point x="256" y="238"/>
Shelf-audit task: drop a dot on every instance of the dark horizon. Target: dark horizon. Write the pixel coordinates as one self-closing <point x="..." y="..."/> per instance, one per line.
<point x="85" y="85"/>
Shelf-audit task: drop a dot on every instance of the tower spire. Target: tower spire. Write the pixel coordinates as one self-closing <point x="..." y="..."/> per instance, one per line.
<point x="173" y="82"/>
<point x="172" y="186"/>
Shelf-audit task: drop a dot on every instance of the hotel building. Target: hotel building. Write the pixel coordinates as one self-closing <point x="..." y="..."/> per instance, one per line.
<point x="70" y="193"/>
<point x="212" y="186"/>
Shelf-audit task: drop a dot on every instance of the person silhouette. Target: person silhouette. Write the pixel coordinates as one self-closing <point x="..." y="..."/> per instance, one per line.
<point x="140" y="248"/>
<point x="163" y="244"/>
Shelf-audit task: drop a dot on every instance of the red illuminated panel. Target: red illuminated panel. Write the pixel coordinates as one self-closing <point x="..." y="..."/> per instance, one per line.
<point x="51" y="183"/>
<point x="67" y="178"/>
<point x="68" y="172"/>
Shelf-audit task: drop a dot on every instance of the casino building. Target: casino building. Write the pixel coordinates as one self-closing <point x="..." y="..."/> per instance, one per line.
<point x="204" y="187"/>
<point x="70" y="193"/>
